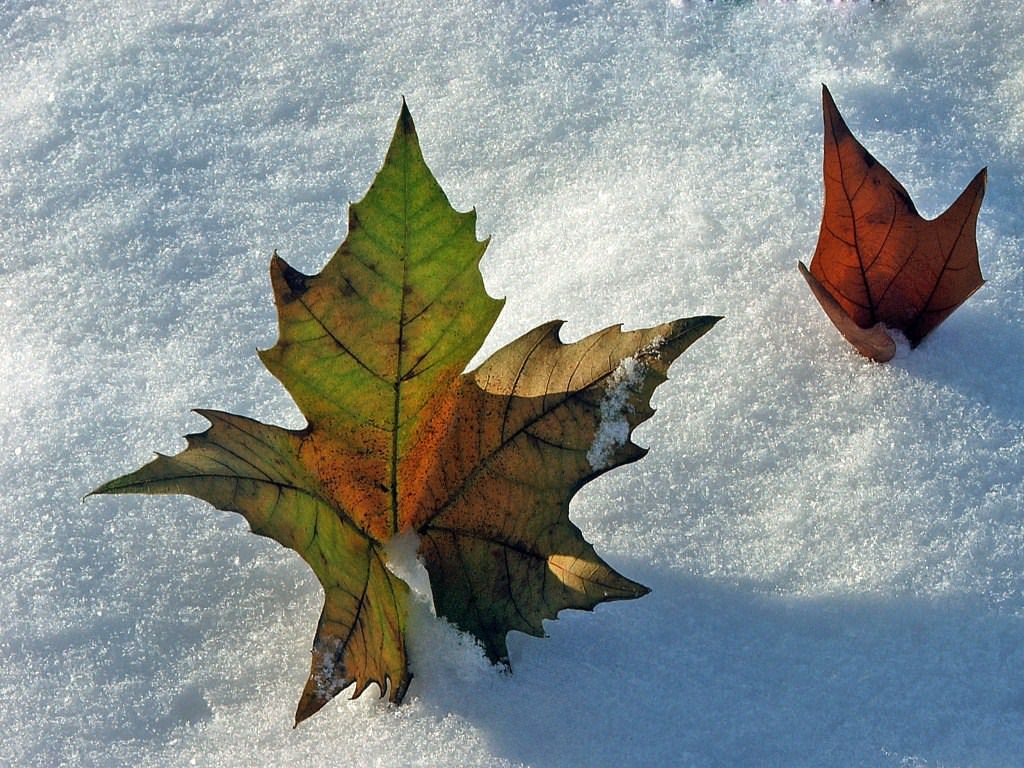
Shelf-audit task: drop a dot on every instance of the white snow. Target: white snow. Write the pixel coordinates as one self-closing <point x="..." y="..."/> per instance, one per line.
<point x="835" y="548"/>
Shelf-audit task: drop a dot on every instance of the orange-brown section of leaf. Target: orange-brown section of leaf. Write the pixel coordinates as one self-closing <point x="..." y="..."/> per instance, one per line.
<point x="876" y="256"/>
<point x="353" y="472"/>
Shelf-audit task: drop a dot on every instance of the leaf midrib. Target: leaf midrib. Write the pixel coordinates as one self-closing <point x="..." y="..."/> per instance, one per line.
<point x="396" y="411"/>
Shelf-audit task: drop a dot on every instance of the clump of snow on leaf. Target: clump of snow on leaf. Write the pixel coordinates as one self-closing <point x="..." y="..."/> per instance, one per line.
<point x="402" y="553"/>
<point x="328" y="674"/>
<point x="615" y="406"/>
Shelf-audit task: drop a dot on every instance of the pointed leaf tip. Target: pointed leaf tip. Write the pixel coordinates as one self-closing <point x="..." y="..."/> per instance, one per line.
<point x="289" y="284"/>
<point x="405" y="119"/>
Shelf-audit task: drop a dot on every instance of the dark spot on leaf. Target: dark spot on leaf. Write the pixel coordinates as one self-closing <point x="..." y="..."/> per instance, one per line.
<point x="297" y="282"/>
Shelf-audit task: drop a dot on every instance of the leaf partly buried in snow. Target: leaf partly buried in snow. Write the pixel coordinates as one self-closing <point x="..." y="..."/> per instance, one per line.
<point x="878" y="260"/>
<point x="480" y="465"/>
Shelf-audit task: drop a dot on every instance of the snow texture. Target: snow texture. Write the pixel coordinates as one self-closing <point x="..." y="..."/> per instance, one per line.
<point x="836" y="548"/>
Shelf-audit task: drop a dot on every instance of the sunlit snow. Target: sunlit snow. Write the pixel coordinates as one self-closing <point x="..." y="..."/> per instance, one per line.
<point x="835" y="548"/>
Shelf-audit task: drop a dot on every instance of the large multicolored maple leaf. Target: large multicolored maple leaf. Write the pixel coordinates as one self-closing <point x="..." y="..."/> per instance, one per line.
<point x="480" y="465"/>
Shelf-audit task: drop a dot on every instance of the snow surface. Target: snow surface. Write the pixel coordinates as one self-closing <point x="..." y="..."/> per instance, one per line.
<point x="835" y="547"/>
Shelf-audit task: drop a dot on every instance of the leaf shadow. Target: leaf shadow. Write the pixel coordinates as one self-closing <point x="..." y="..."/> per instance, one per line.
<point x="706" y="674"/>
<point x="975" y="354"/>
<point x="114" y="650"/>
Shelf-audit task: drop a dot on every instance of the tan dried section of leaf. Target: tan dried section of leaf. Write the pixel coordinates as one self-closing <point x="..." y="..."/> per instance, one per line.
<point x="497" y="541"/>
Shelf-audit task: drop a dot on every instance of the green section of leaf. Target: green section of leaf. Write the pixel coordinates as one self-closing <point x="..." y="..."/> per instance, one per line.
<point x="396" y="314"/>
<point x="240" y="465"/>
<point x="537" y="421"/>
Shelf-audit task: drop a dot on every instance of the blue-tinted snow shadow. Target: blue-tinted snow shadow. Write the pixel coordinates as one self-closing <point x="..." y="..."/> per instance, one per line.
<point x="127" y="596"/>
<point x="708" y="675"/>
<point x="976" y="353"/>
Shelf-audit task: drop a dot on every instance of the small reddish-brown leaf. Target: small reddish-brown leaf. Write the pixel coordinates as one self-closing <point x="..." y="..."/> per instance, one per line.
<point x="877" y="259"/>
